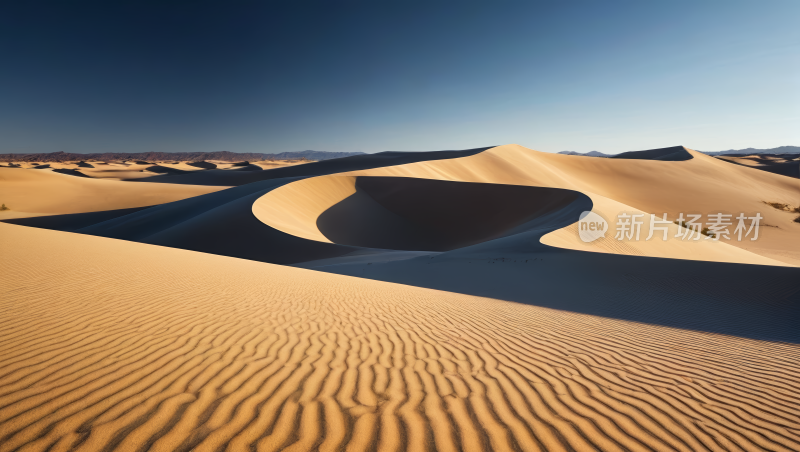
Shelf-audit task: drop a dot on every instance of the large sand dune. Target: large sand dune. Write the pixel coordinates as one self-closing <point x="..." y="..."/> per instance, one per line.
<point x="698" y="184"/>
<point x="116" y="345"/>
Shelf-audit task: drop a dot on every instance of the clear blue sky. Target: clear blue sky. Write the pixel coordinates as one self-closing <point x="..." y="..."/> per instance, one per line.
<point x="398" y="76"/>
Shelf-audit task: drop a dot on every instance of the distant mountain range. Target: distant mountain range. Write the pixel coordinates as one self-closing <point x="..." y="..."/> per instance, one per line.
<point x="311" y="155"/>
<point x="588" y="154"/>
<point x="224" y="156"/>
<point x="778" y="150"/>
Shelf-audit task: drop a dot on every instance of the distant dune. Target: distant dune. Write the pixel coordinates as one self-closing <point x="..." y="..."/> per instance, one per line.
<point x="48" y="192"/>
<point x="667" y="154"/>
<point x="224" y="156"/>
<point x="783" y="164"/>
<point x="748" y="151"/>
<point x="311" y="155"/>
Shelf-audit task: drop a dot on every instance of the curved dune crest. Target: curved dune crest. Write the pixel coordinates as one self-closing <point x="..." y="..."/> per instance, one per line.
<point x="296" y="211"/>
<point x="431" y="215"/>
<point x="176" y="350"/>
<point x="671" y="248"/>
<point x="638" y="185"/>
<point x="402" y="213"/>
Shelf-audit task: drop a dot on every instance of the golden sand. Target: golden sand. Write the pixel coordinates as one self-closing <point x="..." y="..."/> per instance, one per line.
<point x="108" y="344"/>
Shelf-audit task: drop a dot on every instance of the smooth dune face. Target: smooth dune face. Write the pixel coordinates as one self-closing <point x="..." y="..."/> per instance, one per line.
<point x="45" y="192"/>
<point x="112" y="345"/>
<point x="672" y="248"/>
<point x="700" y="184"/>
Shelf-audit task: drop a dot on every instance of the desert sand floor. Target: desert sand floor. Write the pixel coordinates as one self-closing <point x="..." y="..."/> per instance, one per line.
<point x="114" y="345"/>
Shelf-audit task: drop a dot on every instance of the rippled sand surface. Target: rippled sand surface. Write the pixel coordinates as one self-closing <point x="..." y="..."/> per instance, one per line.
<point x="113" y="345"/>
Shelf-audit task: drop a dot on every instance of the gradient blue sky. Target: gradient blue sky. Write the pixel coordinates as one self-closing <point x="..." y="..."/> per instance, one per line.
<point x="397" y="76"/>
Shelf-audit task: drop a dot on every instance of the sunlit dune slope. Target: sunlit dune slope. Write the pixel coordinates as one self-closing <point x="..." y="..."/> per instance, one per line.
<point x="113" y="345"/>
<point x="45" y="192"/>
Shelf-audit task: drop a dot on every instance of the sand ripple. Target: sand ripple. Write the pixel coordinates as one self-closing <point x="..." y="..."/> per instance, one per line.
<point x="112" y="345"/>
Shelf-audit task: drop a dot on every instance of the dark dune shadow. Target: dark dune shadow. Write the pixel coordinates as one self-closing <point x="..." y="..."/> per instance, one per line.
<point x="70" y="172"/>
<point x="231" y="229"/>
<point x="789" y="169"/>
<point x="671" y="154"/>
<point x="751" y="301"/>
<point x="74" y="221"/>
<point x="204" y="165"/>
<point x="248" y="167"/>
<point x="219" y="223"/>
<point x="158" y="169"/>
<point x="85" y="165"/>
<point x="412" y="214"/>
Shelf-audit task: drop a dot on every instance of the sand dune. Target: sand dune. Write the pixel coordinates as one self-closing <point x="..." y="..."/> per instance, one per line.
<point x="46" y="192"/>
<point x="614" y="185"/>
<point x="174" y="350"/>
<point x="223" y="222"/>
<point x="406" y="213"/>
<point x="673" y="154"/>
<point x="202" y="165"/>
<point x="357" y="162"/>
<point x="786" y="165"/>
<point x="297" y="208"/>
<point x="144" y="170"/>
